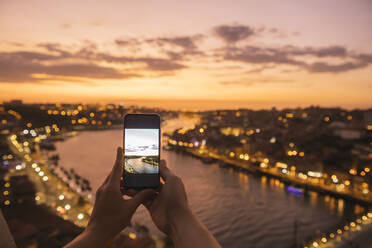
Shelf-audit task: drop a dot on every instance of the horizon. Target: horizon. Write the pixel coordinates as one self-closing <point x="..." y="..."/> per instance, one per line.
<point x="223" y="105"/>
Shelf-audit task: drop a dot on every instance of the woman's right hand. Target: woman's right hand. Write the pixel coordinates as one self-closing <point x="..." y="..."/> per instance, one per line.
<point x="170" y="206"/>
<point x="171" y="214"/>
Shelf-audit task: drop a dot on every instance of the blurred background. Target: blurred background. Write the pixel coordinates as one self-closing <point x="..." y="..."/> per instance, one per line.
<point x="266" y="115"/>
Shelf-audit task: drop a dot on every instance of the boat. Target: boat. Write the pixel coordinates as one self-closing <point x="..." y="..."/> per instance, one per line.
<point x="295" y="190"/>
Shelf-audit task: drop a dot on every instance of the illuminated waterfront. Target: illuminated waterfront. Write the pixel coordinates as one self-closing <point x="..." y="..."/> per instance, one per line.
<point x="238" y="208"/>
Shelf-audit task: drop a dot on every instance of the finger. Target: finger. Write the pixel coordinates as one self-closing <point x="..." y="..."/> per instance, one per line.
<point x="160" y="186"/>
<point x="117" y="170"/>
<point x="131" y="192"/>
<point x="164" y="171"/>
<point x="142" y="196"/>
<point x="147" y="203"/>
<point x="122" y="190"/>
<point x="108" y="178"/>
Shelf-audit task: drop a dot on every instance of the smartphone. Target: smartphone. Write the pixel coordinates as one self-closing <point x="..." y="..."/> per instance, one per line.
<point x="141" y="144"/>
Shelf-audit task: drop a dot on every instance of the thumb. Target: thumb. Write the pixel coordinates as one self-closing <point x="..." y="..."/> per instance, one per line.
<point x="142" y="196"/>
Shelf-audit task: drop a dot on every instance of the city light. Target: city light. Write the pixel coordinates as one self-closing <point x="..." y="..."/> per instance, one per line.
<point x="80" y="216"/>
<point x="281" y="165"/>
<point x="132" y="235"/>
<point x="61" y="197"/>
<point x="353" y="171"/>
<point x="314" y="174"/>
<point x="334" y="178"/>
<point x="67" y="207"/>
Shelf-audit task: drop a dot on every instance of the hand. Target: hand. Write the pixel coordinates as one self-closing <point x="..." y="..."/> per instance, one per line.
<point x="171" y="201"/>
<point x="111" y="212"/>
<point x="171" y="214"/>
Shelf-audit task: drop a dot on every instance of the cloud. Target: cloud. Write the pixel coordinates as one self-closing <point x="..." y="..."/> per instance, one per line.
<point x="127" y="42"/>
<point x="331" y="51"/>
<point x="233" y="33"/>
<point x="160" y="64"/>
<point x="22" y="67"/>
<point x="296" y="56"/>
<point x="334" y="68"/>
<point x="90" y="52"/>
<point x="85" y="61"/>
<point x="154" y="64"/>
<point x="22" y="56"/>
<point x="258" y="55"/>
<point x="179" y="47"/>
<point x="65" y="25"/>
<point x="187" y="43"/>
<point x="365" y="58"/>
<point x="252" y="81"/>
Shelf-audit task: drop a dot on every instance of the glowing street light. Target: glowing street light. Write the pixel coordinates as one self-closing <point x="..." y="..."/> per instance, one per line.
<point x="80" y="216"/>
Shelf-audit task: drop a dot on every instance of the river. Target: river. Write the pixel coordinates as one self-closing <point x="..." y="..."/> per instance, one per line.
<point x="241" y="210"/>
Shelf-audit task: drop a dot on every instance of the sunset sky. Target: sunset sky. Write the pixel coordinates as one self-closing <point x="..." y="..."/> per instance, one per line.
<point x="188" y="54"/>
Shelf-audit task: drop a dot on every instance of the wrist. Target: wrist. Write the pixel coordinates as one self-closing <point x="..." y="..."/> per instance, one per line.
<point x="179" y="220"/>
<point x="90" y="237"/>
<point x="98" y="234"/>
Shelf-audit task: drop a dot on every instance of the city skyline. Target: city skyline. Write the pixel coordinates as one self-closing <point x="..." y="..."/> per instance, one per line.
<point x="257" y="54"/>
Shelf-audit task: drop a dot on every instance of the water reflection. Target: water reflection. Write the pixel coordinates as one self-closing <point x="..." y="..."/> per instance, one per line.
<point x="358" y="210"/>
<point x="340" y="207"/>
<point x="263" y="182"/>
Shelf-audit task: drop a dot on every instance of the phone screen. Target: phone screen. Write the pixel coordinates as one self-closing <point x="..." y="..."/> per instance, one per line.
<point x="141" y="157"/>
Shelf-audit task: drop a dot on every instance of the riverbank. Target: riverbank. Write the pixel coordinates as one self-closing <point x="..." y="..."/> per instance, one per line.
<point x="288" y="179"/>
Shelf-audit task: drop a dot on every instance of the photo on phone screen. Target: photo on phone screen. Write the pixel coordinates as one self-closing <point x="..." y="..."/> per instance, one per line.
<point x="141" y="151"/>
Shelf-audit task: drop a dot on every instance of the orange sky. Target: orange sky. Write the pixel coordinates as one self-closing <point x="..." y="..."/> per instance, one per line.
<point x="192" y="55"/>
